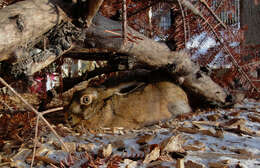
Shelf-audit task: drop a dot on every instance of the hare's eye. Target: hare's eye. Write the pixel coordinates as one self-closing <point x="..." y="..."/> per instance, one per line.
<point x="85" y="100"/>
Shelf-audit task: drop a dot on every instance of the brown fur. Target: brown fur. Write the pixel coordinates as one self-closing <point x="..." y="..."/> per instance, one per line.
<point x="144" y="106"/>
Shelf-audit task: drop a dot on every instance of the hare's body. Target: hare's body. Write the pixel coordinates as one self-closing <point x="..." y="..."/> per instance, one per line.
<point x="143" y="106"/>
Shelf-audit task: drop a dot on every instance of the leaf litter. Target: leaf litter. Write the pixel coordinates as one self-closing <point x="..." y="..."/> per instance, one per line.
<point x="210" y="138"/>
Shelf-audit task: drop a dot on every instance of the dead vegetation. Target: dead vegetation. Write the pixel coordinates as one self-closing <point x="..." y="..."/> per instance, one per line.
<point x="210" y="136"/>
<point x="122" y="40"/>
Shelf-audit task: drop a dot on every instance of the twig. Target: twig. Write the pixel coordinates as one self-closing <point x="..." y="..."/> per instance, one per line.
<point x="213" y="13"/>
<point x="220" y="4"/>
<point x="52" y="110"/>
<point x="191" y="7"/>
<point x="184" y="22"/>
<point x="112" y="32"/>
<point x="5" y="164"/>
<point x="142" y="9"/>
<point x="35" y="140"/>
<point x="35" y="111"/>
<point x="188" y="26"/>
<point x="39" y="116"/>
<point x="124" y="25"/>
<point x="240" y="70"/>
<point x="53" y="165"/>
<point x="251" y="63"/>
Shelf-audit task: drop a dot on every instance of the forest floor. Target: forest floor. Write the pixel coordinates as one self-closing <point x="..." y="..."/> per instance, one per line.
<point x="216" y="138"/>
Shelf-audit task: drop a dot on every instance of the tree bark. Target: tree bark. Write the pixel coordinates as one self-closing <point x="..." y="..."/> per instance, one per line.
<point x="23" y="22"/>
<point x="155" y="54"/>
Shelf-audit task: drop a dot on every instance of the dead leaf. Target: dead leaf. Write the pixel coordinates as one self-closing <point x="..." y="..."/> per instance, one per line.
<point x="209" y="123"/>
<point x="233" y="122"/>
<point x="191" y="164"/>
<point x="70" y="145"/>
<point x="188" y="130"/>
<point x="19" y="164"/>
<point x="193" y="148"/>
<point x="90" y="147"/>
<point x="173" y="144"/>
<point x="145" y="139"/>
<point x="130" y="163"/>
<point x="241" y="151"/>
<point x="217" y="165"/>
<point x="153" y="155"/>
<point x="254" y="118"/>
<point x="213" y="117"/>
<point x="107" y="151"/>
<point x="235" y="114"/>
<point x="212" y="132"/>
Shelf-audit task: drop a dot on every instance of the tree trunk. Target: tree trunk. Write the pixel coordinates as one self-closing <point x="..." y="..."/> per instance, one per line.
<point x="23" y="22"/>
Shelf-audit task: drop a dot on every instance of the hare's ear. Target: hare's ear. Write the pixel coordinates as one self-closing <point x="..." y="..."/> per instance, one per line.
<point x="130" y="87"/>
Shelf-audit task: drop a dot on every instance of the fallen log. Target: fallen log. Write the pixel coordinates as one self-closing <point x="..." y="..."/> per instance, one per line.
<point x="155" y="54"/>
<point x="24" y="22"/>
<point x="106" y="34"/>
